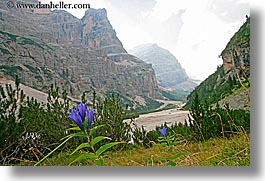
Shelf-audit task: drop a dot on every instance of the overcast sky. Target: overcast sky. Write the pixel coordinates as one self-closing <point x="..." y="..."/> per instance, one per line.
<point x="195" y="31"/>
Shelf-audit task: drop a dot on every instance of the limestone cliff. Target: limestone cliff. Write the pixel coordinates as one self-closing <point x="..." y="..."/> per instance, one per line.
<point x="236" y="54"/>
<point x="75" y="54"/>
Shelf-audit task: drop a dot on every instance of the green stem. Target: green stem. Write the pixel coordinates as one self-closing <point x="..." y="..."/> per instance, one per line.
<point x="93" y="150"/>
<point x="168" y="141"/>
<point x="53" y="151"/>
<point x="88" y="140"/>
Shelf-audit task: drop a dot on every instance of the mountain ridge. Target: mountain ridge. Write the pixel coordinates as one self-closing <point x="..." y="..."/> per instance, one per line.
<point x="78" y="55"/>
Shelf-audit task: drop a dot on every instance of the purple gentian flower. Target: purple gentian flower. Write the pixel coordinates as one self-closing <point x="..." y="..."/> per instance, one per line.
<point x="80" y="113"/>
<point x="90" y="116"/>
<point x="81" y="108"/>
<point x="77" y="118"/>
<point x="163" y="132"/>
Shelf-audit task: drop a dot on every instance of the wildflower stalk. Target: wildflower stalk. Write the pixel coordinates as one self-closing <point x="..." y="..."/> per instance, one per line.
<point x="170" y="142"/>
<point x="92" y="148"/>
<point x="83" y="119"/>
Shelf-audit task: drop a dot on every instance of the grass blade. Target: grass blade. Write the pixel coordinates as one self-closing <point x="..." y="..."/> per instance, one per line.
<point x="52" y="151"/>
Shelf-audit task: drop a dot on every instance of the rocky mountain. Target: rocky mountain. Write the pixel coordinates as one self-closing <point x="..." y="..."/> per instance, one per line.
<point x="230" y="84"/>
<point x="168" y="70"/>
<point x="54" y="47"/>
<point x="236" y="53"/>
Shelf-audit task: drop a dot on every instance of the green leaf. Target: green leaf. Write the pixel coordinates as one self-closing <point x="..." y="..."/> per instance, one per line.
<point x="84" y="156"/>
<point x="103" y="148"/>
<point x="170" y="150"/>
<point x="99" y="162"/>
<point x="74" y="128"/>
<point x="73" y="125"/>
<point x="172" y="164"/>
<point x="82" y="134"/>
<point x="85" y="123"/>
<point x="94" y="129"/>
<point x="174" y="143"/>
<point x="176" y="156"/>
<point x="170" y="137"/>
<point x="161" y="138"/>
<point x="162" y="144"/>
<point x="98" y="139"/>
<point x="83" y="145"/>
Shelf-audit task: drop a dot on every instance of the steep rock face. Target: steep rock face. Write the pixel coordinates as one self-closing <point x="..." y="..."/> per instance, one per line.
<point x="236" y="55"/>
<point x="98" y="34"/>
<point x="168" y="70"/>
<point x="76" y="55"/>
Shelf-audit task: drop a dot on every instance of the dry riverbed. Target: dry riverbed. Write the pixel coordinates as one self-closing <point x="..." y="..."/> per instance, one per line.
<point x="151" y="120"/>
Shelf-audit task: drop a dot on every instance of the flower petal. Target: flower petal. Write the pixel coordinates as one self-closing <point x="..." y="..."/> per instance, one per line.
<point x="77" y="119"/>
<point x="82" y="110"/>
<point x="163" y="132"/>
<point x="90" y="116"/>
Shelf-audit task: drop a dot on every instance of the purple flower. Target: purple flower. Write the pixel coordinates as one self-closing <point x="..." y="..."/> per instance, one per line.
<point x="77" y="118"/>
<point x="163" y="132"/>
<point x="81" y="108"/>
<point x="80" y="113"/>
<point x="90" y="116"/>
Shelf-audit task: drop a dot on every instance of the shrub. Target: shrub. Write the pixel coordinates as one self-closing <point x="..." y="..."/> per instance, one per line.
<point x="219" y="122"/>
<point x="111" y="114"/>
<point x="30" y="129"/>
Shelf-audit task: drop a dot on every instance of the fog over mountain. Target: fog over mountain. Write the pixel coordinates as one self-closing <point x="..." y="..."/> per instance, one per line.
<point x="168" y="70"/>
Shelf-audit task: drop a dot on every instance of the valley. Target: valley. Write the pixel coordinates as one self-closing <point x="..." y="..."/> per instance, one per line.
<point x="70" y="91"/>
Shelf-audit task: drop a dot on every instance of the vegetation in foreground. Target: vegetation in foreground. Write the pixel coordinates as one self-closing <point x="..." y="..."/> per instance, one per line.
<point x="214" y="152"/>
<point x="36" y="134"/>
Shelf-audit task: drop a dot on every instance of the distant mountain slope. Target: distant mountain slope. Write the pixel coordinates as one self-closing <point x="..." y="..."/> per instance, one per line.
<point x="167" y="69"/>
<point x="40" y="96"/>
<point x="230" y="84"/>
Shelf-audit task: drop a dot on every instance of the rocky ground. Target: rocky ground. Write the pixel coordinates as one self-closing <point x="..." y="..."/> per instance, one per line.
<point x="240" y="99"/>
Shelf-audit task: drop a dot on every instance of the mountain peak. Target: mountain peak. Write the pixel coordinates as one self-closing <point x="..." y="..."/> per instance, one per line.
<point x="168" y="70"/>
<point x="77" y="55"/>
<point x="95" y="12"/>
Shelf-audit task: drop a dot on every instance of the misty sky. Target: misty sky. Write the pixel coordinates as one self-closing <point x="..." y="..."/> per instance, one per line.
<point x="195" y="31"/>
